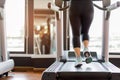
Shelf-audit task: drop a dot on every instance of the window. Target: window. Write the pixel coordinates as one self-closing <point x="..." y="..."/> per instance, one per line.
<point x="15" y="25"/>
<point x="114" y="33"/>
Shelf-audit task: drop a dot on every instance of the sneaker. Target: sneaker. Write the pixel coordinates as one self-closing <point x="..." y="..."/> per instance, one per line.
<point x="87" y="55"/>
<point x="78" y="62"/>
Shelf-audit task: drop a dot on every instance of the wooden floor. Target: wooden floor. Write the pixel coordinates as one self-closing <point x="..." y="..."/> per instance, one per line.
<point x="23" y="76"/>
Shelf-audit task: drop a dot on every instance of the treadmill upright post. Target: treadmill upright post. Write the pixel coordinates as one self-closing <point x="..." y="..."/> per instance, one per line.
<point x="2" y="2"/>
<point x="2" y="32"/>
<point x="59" y="37"/>
<point x="105" y="35"/>
<point x="59" y="29"/>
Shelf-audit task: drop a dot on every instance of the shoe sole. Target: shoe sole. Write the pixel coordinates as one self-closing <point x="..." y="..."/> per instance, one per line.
<point x="86" y="54"/>
<point x="78" y="65"/>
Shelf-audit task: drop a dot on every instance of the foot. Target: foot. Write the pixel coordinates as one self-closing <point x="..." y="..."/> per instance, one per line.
<point x="87" y="55"/>
<point x="78" y="62"/>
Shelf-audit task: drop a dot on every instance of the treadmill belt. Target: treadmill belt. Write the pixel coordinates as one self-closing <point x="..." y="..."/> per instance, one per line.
<point x="92" y="67"/>
<point x="92" y="71"/>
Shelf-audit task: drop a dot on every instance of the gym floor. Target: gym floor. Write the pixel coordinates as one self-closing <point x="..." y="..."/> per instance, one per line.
<point x="29" y="75"/>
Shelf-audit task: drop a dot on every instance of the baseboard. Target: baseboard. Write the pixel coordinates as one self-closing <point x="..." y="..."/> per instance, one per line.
<point x="27" y="69"/>
<point x="39" y="69"/>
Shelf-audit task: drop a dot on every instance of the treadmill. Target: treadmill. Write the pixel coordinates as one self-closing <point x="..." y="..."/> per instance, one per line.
<point x="6" y="64"/>
<point x="100" y="69"/>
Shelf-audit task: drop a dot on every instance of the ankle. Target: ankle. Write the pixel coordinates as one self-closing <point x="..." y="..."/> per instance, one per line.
<point x="79" y="58"/>
<point x="86" y="49"/>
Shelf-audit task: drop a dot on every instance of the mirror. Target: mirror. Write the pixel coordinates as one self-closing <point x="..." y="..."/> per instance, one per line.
<point x="44" y="28"/>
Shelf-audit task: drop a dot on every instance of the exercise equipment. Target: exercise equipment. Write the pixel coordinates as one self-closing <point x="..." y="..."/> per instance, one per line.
<point x="63" y="69"/>
<point x="6" y="64"/>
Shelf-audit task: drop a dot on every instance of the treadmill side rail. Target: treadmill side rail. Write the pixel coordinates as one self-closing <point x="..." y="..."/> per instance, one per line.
<point x="51" y="72"/>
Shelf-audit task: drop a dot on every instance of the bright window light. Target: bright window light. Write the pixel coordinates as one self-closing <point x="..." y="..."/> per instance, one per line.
<point x="15" y="23"/>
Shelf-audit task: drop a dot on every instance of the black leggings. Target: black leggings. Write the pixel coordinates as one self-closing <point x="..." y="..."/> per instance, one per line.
<point x="81" y="15"/>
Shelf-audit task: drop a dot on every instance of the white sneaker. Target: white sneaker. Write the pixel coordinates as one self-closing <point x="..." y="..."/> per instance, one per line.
<point x="86" y="52"/>
<point x="78" y="62"/>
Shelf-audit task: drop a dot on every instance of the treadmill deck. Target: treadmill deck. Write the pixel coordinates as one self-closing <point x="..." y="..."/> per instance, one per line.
<point x="91" y="67"/>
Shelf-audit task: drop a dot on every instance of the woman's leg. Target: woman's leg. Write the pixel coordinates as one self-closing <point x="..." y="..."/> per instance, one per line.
<point x="86" y="43"/>
<point x="86" y="23"/>
<point x="75" y="25"/>
<point x="76" y="31"/>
